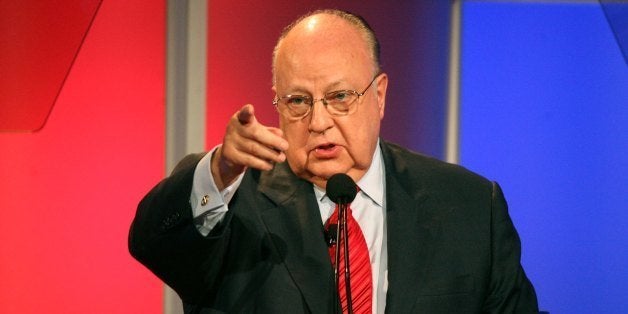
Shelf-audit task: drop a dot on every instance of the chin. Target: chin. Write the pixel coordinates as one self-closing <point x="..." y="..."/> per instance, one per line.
<point x="311" y="169"/>
<point x="325" y="170"/>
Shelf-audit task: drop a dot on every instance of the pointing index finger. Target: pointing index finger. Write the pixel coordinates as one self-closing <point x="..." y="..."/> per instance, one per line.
<point x="246" y="115"/>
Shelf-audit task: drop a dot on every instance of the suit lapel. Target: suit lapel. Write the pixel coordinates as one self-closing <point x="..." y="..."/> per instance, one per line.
<point x="296" y="229"/>
<point x="410" y="235"/>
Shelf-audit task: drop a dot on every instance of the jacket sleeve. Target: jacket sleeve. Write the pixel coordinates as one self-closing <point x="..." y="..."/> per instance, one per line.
<point x="510" y="291"/>
<point x="163" y="236"/>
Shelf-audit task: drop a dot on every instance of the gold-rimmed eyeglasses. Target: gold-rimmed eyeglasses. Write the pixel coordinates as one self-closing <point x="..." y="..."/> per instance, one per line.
<point x="337" y="103"/>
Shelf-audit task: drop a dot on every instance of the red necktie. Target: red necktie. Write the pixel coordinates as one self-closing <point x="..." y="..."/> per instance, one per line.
<point x="359" y="266"/>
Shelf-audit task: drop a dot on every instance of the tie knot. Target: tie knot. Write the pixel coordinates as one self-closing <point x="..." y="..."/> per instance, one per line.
<point x="333" y="219"/>
<point x="331" y="225"/>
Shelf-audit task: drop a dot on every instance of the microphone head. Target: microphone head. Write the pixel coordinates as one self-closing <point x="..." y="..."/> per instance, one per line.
<point x="341" y="189"/>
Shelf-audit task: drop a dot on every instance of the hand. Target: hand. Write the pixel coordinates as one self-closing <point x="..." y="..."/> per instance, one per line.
<point x="247" y="143"/>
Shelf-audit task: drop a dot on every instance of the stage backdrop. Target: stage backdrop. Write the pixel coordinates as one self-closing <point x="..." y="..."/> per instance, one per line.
<point x="545" y="113"/>
<point x="69" y="190"/>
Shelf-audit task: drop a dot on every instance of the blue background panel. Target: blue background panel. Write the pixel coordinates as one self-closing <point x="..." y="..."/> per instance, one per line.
<point x="545" y="113"/>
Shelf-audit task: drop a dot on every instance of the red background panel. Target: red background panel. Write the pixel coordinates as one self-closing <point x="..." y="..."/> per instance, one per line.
<point x="37" y="48"/>
<point x="69" y="191"/>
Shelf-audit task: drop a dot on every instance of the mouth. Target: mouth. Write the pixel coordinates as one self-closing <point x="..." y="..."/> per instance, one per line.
<point x="326" y="151"/>
<point x="327" y="146"/>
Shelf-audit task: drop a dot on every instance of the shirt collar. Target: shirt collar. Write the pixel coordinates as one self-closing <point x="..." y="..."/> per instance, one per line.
<point x="371" y="184"/>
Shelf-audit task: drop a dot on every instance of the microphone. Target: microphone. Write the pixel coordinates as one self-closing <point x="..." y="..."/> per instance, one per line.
<point x="341" y="189"/>
<point x="331" y="235"/>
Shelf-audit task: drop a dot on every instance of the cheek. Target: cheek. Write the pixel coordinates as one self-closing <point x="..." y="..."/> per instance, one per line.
<point x="296" y="154"/>
<point x="297" y="139"/>
<point x="362" y="137"/>
<point x="295" y="135"/>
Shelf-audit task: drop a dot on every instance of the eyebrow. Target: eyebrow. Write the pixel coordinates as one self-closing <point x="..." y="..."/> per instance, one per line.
<point x="332" y="87"/>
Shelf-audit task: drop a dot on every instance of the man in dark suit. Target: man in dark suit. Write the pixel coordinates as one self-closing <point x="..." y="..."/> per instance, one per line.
<point x="240" y="229"/>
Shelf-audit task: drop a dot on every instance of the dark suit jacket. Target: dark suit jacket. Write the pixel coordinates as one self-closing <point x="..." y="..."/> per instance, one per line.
<point x="452" y="247"/>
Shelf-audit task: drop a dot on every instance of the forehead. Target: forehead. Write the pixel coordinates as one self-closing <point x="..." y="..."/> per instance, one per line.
<point x="323" y="46"/>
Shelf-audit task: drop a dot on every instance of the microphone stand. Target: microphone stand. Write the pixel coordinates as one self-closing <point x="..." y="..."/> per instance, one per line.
<point x="345" y="234"/>
<point x="342" y="236"/>
<point x="337" y="250"/>
<point x="342" y="190"/>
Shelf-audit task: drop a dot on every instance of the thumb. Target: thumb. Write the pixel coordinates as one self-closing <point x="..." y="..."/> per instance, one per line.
<point x="246" y="115"/>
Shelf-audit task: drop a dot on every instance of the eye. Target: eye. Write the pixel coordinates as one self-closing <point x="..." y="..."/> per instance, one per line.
<point x="338" y="96"/>
<point x="296" y="100"/>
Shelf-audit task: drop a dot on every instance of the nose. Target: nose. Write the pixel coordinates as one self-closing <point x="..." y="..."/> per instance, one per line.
<point x="320" y="120"/>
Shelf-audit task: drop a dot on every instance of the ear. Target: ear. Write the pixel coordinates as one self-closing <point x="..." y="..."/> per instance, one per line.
<point x="382" y="85"/>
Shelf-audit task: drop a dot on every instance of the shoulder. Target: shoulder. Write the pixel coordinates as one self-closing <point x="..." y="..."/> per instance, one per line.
<point x="417" y="171"/>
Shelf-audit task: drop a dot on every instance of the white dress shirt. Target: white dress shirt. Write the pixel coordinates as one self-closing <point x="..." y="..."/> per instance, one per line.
<point x="368" y="210"/>
<point x="210" y="205"/>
